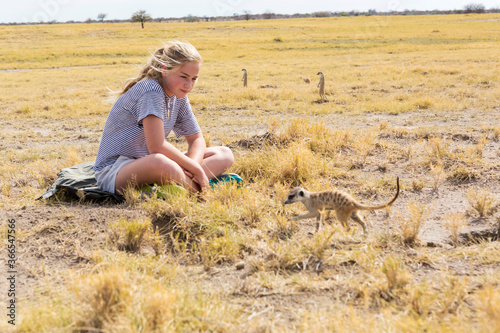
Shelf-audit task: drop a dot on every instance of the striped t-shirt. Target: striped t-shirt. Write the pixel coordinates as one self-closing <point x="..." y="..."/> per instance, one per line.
<point x="124" y="134"/>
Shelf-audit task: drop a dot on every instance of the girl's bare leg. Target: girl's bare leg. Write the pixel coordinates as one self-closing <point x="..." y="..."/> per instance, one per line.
<point x="157" y="168"/>
<point x="217" y="160"/>
<point x="154" y="168"/>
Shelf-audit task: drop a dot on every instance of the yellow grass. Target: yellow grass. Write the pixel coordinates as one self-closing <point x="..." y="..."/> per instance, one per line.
<point x="179" y="275"/>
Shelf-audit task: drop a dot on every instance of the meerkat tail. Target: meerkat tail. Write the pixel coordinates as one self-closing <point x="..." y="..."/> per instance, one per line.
<point x="365" y="207"/>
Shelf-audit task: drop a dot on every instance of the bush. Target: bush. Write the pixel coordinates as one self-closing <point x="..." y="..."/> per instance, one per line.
<point x="474" y="8"/>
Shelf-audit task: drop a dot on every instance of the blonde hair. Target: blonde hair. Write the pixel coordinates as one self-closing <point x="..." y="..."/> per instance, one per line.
<point x="172" y="55"/>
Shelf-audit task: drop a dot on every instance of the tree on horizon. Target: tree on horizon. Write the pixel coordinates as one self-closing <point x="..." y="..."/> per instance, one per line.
<point x="141" y="16"/>
<point x="474" y="8"/>
<point x="102" y="16"/>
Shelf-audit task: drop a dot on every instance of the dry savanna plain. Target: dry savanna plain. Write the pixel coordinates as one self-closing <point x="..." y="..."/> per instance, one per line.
<point x="414" y="97"/>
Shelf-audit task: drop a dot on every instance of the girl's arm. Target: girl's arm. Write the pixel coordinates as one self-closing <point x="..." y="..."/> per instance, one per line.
<point x="155" y="139"/>
<point x="196" y="147"/>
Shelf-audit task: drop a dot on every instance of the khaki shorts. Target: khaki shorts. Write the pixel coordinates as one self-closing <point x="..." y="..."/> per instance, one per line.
<point x="106" y="178"/>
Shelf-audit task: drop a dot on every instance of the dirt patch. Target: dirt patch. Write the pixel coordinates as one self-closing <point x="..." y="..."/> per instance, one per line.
<point x="54" y="238"/>
<point x="257" y="142"/>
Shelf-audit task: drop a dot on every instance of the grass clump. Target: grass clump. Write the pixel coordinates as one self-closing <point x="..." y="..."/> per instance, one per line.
<point x="455" y="224"/>
<point x="438" y="150"/>
<point x="481" y="201"/>
<point x="293" y="165"/>
<point x="438" y="175"/>
<point x="411" y="225"/>
<point x="133" y="235"/>
<point x="488" y="301"/>
<point x="103" y="296"/>
<point x="463" y="174"/>
<point x="218" y="250"/>
<point x="395" y="273"/>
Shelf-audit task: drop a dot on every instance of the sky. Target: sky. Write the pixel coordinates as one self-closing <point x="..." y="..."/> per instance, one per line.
<point x="81" y="10"/>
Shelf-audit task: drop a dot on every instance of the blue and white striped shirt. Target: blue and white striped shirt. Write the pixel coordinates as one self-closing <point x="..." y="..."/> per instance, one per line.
<point x="124" y="134"/>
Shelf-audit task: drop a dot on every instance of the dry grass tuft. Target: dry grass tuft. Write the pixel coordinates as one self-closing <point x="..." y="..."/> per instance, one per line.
<point x="437" y="150"/>
<point x="455" y="223"/>
<point x="133" y="235"/>
<point x="438" y="175"/>
<point x="463" y="174"/>
<point x="488" y="301"/>
<point x="103" y="297"/>
<point x="411" y="225"/>
<point x="158" y="310"/>
<point x="454" y="295"/>
<point x="395" y="272"/>
<point x="481" y="201"/>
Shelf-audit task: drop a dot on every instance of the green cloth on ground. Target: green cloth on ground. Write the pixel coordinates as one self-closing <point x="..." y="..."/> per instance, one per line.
<point x="162" y="191"/>
<point x="78" y="182"/>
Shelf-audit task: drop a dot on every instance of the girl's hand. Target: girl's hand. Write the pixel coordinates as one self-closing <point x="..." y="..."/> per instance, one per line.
<point x="201" y="179"/>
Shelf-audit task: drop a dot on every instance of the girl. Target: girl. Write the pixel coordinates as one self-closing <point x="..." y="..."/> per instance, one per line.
<point x="133" y="149"/>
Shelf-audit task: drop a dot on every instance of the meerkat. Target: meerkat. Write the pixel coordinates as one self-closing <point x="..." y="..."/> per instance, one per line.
<point x="321" y="85"/>
<point x="306" y="80"/>
<point x="342" y="203"/>
<point x="244" y="78"/>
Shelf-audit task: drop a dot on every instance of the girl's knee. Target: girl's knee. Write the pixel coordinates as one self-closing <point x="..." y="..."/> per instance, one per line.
<point x="157" y="161"/>
<point x="161" y="164"/>
<point x="227" y="155"/>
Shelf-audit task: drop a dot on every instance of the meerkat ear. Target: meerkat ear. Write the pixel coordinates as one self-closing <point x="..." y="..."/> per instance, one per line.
<point x="301" y="193"/>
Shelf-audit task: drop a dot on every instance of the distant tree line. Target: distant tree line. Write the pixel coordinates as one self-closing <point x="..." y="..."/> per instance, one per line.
<point x="142" y="16"/>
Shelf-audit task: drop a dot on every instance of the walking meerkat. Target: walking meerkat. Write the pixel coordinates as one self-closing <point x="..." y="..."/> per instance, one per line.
<point x="342" y="203"/>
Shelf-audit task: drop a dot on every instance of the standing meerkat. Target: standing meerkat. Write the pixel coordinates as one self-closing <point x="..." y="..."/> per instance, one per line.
<point x="342" y="203"/>
<point x="244" y="78"/>
<point x="321" y="85"/>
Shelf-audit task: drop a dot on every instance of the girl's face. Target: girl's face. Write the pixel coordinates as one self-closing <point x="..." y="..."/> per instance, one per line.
<point x="180" y="81"/>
